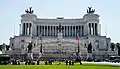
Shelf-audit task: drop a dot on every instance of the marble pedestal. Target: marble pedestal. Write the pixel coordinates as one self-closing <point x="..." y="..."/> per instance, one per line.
<point x="60" y="36"/>
<point x="29" y="55"/>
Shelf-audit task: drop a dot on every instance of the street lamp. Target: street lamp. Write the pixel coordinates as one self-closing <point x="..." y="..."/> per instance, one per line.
<point x="41" y="44"/>
<point x="78" y="44"/>
<point x="78" y="48"/>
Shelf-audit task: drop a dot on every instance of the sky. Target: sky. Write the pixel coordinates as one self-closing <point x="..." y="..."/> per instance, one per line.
<point x="11" y="10"/>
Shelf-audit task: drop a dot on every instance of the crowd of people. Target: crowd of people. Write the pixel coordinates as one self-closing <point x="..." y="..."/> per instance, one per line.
<point x="37" y="62"/>
<point x="47" y="62"/>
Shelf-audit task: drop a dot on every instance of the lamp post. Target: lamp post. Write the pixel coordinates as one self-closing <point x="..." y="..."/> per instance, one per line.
<point x="40" y="53"/>
<point x="41" y="44"/>
<point x="78" y="48"/>
<point x="78" y="44"/>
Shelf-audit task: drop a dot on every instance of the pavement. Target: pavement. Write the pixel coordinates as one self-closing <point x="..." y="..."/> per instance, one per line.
<point x="109" y="63"/>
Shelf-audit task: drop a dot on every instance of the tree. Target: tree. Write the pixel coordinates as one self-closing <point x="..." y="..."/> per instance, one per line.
<point x="3" y="46"/>
<point x="112" y="46"/>
<point x="118" y="47"/>
<point x="7" y="47"/>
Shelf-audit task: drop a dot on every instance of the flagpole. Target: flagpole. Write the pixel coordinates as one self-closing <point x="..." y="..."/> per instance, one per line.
<point x="78" y="44"/>
<point x="41" y="42"/>
<point x="14" y="30"/>
<point x="106" y="31"/>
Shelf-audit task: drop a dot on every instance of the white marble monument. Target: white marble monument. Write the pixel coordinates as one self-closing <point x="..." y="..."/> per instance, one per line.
<point x="32" y="26"/>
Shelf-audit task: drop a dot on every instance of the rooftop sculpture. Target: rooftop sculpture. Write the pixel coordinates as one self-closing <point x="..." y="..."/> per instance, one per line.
<point x="29" y="10"/>
<point x="90" y="10"/>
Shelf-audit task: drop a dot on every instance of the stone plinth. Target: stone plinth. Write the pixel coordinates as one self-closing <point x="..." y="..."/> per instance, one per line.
<point x="30" y="55"/>
<point x="60" y="36"/>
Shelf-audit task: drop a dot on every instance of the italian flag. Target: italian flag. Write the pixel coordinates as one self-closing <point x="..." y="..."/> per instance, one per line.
<point x="77" y="37"/>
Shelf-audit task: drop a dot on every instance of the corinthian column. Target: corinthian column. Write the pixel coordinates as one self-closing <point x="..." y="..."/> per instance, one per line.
<point x="47" y="30"/>
<point x="20" y="29"/>
<point x="30" y="29"/>
<point x="96" y="30"/>
<point x="25" y="28"/>
<point x="72" y="30"/>
<point x="44" y="30"/>
<point x="75" y="31"/>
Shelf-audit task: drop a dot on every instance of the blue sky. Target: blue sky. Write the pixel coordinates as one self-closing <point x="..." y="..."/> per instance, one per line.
<point x="10" y="11"/>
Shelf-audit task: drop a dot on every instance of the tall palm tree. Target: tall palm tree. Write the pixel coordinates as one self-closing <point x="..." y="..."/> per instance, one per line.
<point x="118" y="47"/>
<point x="112" y="45"/>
